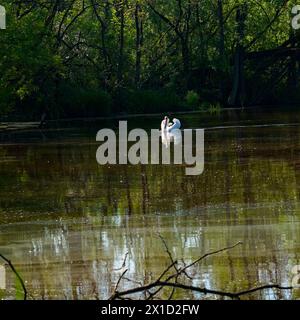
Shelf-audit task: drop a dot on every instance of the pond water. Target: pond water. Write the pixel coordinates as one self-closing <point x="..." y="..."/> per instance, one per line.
<point x="67" y="223"/>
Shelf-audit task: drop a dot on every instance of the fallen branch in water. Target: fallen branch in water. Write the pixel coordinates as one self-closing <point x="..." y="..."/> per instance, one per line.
<point x="155" y="284"/>
<point x="171" y="281"/>
<point x="16" y="273"/>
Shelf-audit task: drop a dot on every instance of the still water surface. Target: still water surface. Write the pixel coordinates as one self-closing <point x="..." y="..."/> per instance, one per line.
<point x="67" y="223"/>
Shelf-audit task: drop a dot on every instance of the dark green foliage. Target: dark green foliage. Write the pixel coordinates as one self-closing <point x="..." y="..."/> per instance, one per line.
<point x="192" y="99"/>
<point x="95" y="58"/>
<point x="151" y="101"/>
<point x="83" y="102"/>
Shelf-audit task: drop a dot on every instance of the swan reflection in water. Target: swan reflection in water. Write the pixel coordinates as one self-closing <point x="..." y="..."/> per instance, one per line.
<point x="170" y="132"/>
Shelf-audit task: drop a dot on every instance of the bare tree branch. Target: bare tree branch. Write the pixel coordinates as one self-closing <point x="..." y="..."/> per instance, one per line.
<point x="160" y="283"/>
<point x="231" y="295"/>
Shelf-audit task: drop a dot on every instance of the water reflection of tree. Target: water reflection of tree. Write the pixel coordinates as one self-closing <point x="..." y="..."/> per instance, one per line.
<point x="249" y="190"/>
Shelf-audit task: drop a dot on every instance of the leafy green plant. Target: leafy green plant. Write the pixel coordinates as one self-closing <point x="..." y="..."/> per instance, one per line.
<point x="215" y="108"/>
<point x="192" y="99"/>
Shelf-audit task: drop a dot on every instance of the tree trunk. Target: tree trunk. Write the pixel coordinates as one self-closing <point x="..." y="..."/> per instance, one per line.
<point x="185" y="56"/>
<point x="120" y="13"/>
<point x="292" y="69"/>
<point x="221" y="46"/>
<point x="121" y="48"/>
<point x="237" y="96"/>
<point x="104" y="50"/>
<point x="139" y="44"/>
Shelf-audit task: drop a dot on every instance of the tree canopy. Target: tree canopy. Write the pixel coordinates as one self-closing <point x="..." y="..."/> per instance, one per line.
<point x="96" y="57"/>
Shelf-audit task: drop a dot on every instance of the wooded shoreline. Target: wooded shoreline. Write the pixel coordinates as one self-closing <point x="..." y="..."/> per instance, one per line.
<point x="70" y="59"/>
<point x="6" y="126"/>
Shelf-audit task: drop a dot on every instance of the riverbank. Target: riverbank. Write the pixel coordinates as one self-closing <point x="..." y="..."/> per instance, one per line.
<point x="18" y="126"/>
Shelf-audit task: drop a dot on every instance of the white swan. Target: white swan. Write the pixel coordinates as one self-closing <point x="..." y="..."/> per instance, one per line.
<point x="176" y="125"/>
<point x="165" y="124"/>
<point x="168" y="137"/>
<point x="169" y="127"/>
<point x="170" y="132"/>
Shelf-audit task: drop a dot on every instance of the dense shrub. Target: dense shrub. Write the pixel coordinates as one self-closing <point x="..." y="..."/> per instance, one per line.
<point x="82" y="102"/>
<point x="192" y="99"/>
<point x="151" y="101"/>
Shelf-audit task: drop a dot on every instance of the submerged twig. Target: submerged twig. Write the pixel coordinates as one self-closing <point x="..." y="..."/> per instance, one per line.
<point x="115" y="292"/>
<point x="124" y="262"/>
